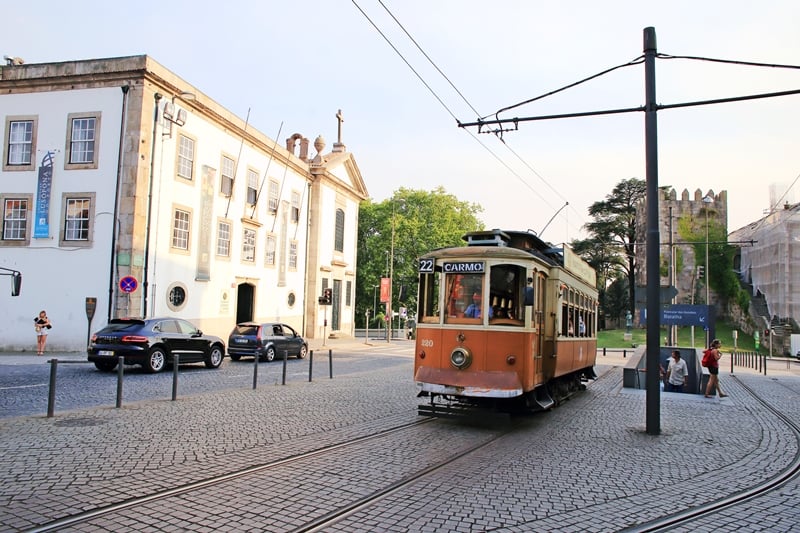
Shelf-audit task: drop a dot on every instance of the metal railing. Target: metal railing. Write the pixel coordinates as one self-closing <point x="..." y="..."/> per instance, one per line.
<point x="52" y="387"/>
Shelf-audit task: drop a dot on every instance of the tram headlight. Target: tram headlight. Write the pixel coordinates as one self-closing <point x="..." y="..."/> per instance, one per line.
<point x="461" y="358"/>
<point x="511" y="359"/>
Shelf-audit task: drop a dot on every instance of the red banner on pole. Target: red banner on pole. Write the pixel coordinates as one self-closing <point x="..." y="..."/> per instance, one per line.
<point x="386" y="289"/>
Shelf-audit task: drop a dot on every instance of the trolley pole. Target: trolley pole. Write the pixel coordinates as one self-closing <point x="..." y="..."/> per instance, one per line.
<point x="653" y="407"/>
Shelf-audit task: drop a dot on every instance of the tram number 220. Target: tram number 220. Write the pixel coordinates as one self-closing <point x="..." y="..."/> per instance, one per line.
<point x="426" y="343"/>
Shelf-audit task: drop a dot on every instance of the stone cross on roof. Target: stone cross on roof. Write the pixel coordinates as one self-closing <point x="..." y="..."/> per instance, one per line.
<point x="340" y="118"/>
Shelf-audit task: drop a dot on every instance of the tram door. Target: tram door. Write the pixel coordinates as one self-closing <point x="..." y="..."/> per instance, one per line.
<point x="538" y="323"/>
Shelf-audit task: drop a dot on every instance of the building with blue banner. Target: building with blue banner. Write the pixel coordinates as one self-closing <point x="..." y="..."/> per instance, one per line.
<point x="122" y="182"/>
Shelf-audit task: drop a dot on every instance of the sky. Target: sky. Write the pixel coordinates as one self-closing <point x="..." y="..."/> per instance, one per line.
<point x="406" y="72"/>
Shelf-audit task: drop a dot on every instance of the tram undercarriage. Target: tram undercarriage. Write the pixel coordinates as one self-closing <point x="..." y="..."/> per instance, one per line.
<point x="541" y="398"/>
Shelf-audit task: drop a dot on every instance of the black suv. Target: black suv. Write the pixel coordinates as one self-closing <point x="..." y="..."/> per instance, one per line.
<point x="152" y="343"/>
<point x="265" y="340"/>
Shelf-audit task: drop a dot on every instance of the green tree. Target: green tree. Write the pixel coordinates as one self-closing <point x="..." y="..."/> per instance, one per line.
<point x="719" y="274"/>
<point x="614" y="228"/>
<point x="393" y="233"/>
<point x="614" y="301"/>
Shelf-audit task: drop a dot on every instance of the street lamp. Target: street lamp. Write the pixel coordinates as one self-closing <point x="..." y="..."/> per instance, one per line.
<point x="708" y="200"/>
<point x="375" y="299"/>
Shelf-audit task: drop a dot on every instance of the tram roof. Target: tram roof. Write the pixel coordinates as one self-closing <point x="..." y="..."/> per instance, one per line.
<point x="507" y="244"/>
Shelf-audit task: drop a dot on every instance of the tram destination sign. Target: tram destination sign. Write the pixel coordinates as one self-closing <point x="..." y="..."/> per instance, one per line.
<point x="463" y="267"/>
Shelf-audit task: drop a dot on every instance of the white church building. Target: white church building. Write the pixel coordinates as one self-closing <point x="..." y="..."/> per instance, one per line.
<point x="128" y="192"/>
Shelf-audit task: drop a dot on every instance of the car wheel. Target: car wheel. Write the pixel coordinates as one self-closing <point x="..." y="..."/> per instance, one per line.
<point x="214" y="358"/>
<point x="156" y="360"/>
<point x="105" y="366"/>
<point x="269" y="355"/>
<point x="303" y="351"/>
<point x="234" y="356"/>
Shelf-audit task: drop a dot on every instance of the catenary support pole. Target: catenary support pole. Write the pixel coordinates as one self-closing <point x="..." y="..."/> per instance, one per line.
<point x="653" y="403"/>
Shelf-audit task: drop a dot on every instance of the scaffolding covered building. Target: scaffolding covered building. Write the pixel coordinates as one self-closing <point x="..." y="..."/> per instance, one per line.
<point x="770" y="267"/>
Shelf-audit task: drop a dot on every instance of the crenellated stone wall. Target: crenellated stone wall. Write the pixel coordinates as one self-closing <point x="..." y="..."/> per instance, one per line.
<point x="692" y="210"/>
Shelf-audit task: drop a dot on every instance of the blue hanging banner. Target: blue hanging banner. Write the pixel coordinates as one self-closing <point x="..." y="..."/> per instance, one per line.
<point x="41" y="227"/>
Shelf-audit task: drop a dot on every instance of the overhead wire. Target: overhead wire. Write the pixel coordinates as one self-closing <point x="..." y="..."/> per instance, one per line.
<point x="635" y="61"/>
<point x="774" y="206"/>
<point x="417" y="74"/>
<point x="469" y="104"/>
<point x="727" y="61"/>
<point x="466" y="101"/>
<point x="639" y="60"/>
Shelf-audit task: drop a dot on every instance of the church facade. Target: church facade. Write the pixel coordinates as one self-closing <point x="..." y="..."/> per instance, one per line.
<point x="128" y="192"/>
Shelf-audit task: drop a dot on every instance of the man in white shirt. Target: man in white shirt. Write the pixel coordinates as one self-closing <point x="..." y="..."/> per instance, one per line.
<point x="677" y="373"/>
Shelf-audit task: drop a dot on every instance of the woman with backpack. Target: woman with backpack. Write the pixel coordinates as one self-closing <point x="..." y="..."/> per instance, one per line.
<point x="711" y="357"/>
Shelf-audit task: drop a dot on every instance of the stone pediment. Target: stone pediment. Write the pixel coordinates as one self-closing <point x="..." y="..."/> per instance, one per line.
<point x="341" y="167"/>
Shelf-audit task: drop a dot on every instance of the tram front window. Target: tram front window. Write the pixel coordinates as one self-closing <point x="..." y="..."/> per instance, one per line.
<point x="463" y="298"/>
<point x="506" y="293"/>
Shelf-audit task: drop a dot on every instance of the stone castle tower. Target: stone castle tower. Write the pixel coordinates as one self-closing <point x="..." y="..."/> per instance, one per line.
<point x="679" y="217"/>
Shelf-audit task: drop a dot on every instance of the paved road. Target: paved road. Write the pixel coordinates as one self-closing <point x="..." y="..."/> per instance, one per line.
<point x="586" y="466"/>
<point x="25" y="379"/>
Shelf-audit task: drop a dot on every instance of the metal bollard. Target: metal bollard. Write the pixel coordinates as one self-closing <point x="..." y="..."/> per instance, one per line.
<point x="285" y="357"/>
<point x="51" y="396"/>
<point x="255" y="371"/>
<point x="310" y="364"/>
<point x="120" y="372"/>
<point x="624" y="353"/>
<point x="330" y="363"/>
<point x="175" y="362"/>
<point x="604" y="351"/>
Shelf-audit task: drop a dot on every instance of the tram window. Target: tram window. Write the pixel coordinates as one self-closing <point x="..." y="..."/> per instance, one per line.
<point x="459" y="291"/>
<point x="428" y="305"/>
<point x="507" y="287"/>
<point x="540" y="294"/>
<point x="568" y="314"/>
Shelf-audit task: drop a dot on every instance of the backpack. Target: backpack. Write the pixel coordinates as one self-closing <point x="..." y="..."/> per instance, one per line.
<point x="708" y="358"/>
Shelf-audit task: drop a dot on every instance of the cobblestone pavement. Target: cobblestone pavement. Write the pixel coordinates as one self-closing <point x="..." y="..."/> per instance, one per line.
<point x="585" y="466"/>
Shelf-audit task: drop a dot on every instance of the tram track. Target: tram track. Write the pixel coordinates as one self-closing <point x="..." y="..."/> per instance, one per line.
<point x="789" y="473"/>
<point x="363" y="503"/>
<point x="78" y="518"/>
<point x="317" y="465"/>
<point x="353" y="482"/>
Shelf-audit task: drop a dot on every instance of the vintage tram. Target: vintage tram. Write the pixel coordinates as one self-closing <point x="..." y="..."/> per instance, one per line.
<point x="507" y="322"/>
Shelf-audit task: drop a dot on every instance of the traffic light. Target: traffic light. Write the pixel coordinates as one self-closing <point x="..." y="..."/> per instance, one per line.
<point x="699" y="271"/>
<point x="16" y="283"/>
<point x="327" y="296"/>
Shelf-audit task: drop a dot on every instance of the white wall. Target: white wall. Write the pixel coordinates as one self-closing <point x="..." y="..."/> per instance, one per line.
<point x="212" y="304"/>
<point x="58" y="278"/>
